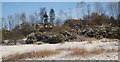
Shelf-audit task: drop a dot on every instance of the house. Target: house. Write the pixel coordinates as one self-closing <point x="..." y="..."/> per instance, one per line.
<point x="42" y="27"/>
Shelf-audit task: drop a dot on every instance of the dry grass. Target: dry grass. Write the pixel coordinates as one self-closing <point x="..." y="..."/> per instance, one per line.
<point x="75" y="51"/>
<point x="64" y="49"/>
<point x="83" y="38"/>
<point x="84" y="53"/>
<point x="33" y="54"/>
<point x="80" y="52"/>
<point x="91" y="39"/>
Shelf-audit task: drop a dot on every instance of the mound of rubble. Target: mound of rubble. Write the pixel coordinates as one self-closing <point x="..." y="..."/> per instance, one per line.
<point x="72" y="32"/>
<point x="50" y="37"/>
<point x="100" y="32"/>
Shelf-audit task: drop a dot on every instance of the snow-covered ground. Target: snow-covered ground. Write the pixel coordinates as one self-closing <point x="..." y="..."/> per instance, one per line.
<point x="110" y="50"/>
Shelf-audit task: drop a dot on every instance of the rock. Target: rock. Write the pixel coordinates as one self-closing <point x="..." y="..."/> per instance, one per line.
<point x="39" y="42"/>
<point x="9" y="42"/>
<point x="23" y="42"/>
<point x="54" y="40"/>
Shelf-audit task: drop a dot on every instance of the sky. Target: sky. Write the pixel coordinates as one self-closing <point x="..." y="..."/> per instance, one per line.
<point x="59" y="0"/>
<point x="12" y="8"/>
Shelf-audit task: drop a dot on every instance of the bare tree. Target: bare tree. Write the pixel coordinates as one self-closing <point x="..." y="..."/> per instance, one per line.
<point x="61" y="13"/>
<point x="99" y="8"/>
<point x="36" y="17"/>
<point x="10" y="21"/>
<point x="66" y="15"/>
<point x="118" y="6"/>
<point x="32" y="19"/>
<point x="113" y="9"/>
<point x="80" y="8"/>
<point x="2" y="23"/>
<point x="23" y="18"/>
<point x="58" y="22"/>
<point x="88" y="11"/>
<point x="42" y="12"/>
<point x="70" y="13"/>
<point x="17" y="19"/>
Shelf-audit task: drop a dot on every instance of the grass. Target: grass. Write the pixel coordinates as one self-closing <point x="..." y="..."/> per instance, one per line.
<point x="33" y="54"/>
